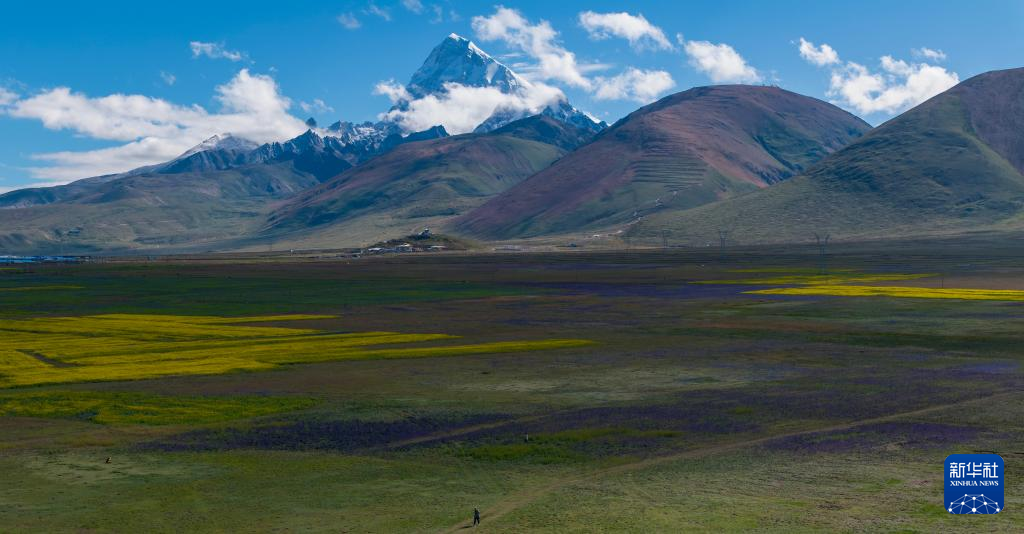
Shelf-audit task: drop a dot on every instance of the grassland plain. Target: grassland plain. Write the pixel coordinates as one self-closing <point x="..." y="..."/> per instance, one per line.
<point x="125" y="347"/>
<point x="698" y="407"/>
<point x="1005" y="295"/>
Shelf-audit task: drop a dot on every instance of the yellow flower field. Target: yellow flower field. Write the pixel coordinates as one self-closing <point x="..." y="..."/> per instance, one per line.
<point x="831" y="279"/>
<point x="129" y="347"/>
<point x="895" y="291"/>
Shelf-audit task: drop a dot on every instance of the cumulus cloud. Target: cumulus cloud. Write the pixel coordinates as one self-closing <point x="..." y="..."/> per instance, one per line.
<point x="896" y="87"/>
<point x="7" y="97"/>
<point x="393" y="90"/>
<point x="643" y="86"/>
<point x="461" y="108"/>
<point x="720" y="62"/>
<point x="67" y="166"/>
<point x="539" y="41"/>
<point x="154" y="130"/>
<point x="818" y="55"/>
<point x="893" y="88"/>
<point x="635" y="28"/>
<point x="349" y="21"/>
<point x="214" y="51"/>
<point x="316" y="106"/>
<point x="929" y="54"/>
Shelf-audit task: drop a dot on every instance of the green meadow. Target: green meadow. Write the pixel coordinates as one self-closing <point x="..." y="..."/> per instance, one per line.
<point x="640" y="391"/>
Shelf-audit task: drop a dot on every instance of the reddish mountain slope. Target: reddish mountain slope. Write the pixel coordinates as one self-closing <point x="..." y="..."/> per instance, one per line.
<point x="688" y="149"/>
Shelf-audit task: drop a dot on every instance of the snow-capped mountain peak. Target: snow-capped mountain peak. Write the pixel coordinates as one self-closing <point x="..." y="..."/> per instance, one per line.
<point x="458" y="60"/>
<point x="224" y="141"/>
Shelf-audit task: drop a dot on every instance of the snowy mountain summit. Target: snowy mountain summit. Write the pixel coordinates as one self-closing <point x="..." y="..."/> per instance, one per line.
<point x="224" y="141"/>
<point x="324" y="152"/>
<point x="458" y="60"/>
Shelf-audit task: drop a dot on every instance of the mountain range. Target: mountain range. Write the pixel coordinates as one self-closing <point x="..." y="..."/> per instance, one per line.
<point x="422" y="184"/>
<point x="686" y="150"/>
<point x="221" y="192"/>
<point x="953" y="165"/>
<point x="756" y="162"/>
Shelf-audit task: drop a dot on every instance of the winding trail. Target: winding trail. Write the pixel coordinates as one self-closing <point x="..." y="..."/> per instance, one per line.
<point x="456" y="432"/>
<point x="523" y="498"/>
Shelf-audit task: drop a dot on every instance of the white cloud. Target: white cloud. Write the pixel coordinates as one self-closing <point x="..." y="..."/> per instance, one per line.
<point x="7" y="97"/>
<point x="643" y="86"/>
<point x="635" y="28"/>
<point x="316" y="106"/>
<point x="537" y="40"/>
<point x="215" y="51"/>
<point x="374" y="9"/>
<point x="818" y="55"/>
<point x="720" y="62"/>
<point x="929" y="54"/>
<point x="413" y="5"/>
<point x="66" y="166"/>
<point x="439" y="14"/>
<point x="393" y="90"/>
<point x="461" y="108"/>
<point x="349" y="21"/>
<point x="153" y="129"/>
<point x="168" y="78"/>
<point x="897" y="87"/>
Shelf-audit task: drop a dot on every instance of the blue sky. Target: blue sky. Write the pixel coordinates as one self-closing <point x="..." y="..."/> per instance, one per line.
<point x="262" y="67"/>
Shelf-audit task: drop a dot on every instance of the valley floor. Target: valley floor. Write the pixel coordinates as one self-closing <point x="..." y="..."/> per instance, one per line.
<point x="641" y="391"/>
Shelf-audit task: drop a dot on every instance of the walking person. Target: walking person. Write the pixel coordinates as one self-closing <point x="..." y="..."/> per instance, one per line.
<point x="476" y="517"/>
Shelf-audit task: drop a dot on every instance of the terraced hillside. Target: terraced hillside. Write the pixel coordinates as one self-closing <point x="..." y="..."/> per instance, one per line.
<point x="952" y="165"/>
<point x="686" y="150"/>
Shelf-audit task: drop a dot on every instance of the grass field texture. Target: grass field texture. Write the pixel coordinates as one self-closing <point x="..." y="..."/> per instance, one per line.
<point x="897" y="292"/>
<point x="131" y="347"/>
<point x="694" y="406"/>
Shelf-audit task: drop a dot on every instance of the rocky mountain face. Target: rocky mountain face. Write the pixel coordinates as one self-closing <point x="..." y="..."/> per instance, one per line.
<point x="458" y="60"/>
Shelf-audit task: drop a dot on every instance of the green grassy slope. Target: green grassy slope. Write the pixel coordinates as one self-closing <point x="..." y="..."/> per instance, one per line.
<point x="420" y="184"/>
<point x="930" y="171"/>
<point x="152" y="211"/>
<point x="686" y="150"/>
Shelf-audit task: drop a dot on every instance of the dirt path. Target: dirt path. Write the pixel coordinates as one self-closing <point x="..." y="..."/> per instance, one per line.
<point x="457" y="432"/>
<point x="462" y="431"/>
<point x="514" y="502"/>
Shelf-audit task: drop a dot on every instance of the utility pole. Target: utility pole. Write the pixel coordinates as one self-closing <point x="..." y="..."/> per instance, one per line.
<point x="60" y="241"/>
<point x="822" y="241"/>
<point x="723" y="239"/>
